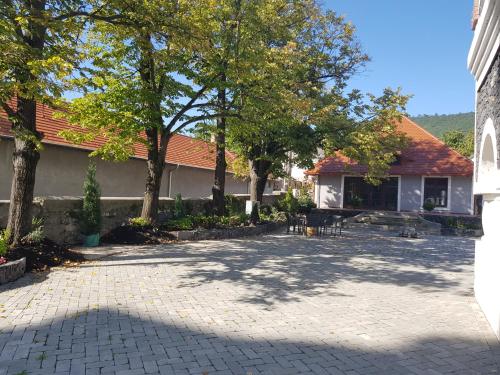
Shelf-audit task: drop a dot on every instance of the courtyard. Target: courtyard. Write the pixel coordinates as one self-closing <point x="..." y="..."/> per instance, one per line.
<point x="365" y="303"/>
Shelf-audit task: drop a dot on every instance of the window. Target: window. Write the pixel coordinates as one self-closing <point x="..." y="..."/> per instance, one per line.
<point x="436" y="191"/>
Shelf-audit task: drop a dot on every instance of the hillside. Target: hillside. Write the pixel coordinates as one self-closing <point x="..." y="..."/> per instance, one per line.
<point x="439" y="124"/>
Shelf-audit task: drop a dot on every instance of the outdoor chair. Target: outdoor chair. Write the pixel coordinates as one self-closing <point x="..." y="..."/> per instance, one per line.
<point x="333" y="223"/>
<point x="296" y="222"/>
<point x="316" y="221"/>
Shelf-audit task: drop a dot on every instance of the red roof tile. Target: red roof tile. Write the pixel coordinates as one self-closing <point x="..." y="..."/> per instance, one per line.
<point x="426" y="155"/>
<point x="181" y="149"/>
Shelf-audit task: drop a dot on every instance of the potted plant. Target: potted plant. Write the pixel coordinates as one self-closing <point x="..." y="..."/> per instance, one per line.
<point x="91" y="212"/>
<point x="428" y="205"/>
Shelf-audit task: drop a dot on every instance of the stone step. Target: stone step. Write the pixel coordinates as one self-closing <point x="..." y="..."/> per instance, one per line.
<point x="395" y="221"/>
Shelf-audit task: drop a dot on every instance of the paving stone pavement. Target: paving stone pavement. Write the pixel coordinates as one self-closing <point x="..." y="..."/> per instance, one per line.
<point x="368" y="303"/>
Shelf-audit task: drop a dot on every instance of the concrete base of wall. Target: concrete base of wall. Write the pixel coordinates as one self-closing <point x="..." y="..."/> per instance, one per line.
<point x="487" y="281"/>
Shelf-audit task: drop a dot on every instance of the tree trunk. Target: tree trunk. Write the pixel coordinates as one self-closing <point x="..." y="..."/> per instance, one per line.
<point x="155" y="166"/>
<point x="220" y="160"/>
<point x="24" y="160"/>
<point x="259" y="173"/>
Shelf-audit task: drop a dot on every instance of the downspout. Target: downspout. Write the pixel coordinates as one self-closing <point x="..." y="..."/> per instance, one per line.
<point x="170" y="171"/>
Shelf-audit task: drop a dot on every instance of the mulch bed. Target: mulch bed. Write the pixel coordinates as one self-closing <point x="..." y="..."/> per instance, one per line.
<point x="42" y="256"/>
<point x="134" y="235"/>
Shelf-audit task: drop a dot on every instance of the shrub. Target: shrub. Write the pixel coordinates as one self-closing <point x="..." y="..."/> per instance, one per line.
<point x="288" y="203"/>
<point x="139" y="222"/>
<point x="37" y="234"/>
<point x="304" y="201"/>
<point x="428" y="205"/>
<point x="179" y="211"/>
<point x="4" y="242"/>
<point x="183" y="223"/>
<point x="233" y="205"/>
<point x="265" y="209"/>
<point x="204" y="221"/>
<point x="91" y="213"/>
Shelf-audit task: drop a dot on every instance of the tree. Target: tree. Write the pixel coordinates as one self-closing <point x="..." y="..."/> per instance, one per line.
<point x="149" y="77"/>
<point x="39" y="40"/>
<point x="91" y="211"/>
<point x="297" y="104"/>
<point x="239" y="48"/>
<point x="460" y="141"/>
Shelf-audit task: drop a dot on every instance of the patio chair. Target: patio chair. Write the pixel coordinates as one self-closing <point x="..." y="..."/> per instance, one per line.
<point x="316" y="221"/>
<point x="296" y="222"/>
<point x="334" y="224"/>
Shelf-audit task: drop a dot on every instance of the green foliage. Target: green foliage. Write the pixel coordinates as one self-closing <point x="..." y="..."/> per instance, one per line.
<point x="37" y="234"/>
<point x="139" y="222"/>
<point x="288" y="203"/>
<point x="428" y="205"/>
<point x="184" y="223"/>
<point x="441" y="124"/>
<point x="305" y="201"/>
<point x="179" y="211"/>
<point x="234" y="206"/>
<point x="4" y="242"/>
<point x="460" y="141"/>
<point x="91" y="212"/>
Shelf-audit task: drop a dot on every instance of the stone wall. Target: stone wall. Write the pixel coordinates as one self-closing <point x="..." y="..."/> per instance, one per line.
<point x="488" y="106"/>
<point x="60" y="214"/>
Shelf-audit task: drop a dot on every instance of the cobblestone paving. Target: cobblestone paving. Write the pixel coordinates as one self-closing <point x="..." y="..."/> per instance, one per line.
<point x="364" y="304"/>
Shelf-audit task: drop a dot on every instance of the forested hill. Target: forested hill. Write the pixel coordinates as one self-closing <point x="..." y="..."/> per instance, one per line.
<point x="439" y="124"/>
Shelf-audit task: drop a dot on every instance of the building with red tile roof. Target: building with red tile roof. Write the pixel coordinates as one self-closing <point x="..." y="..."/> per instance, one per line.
<point x="189" y="164"/>
<point x="426" y="171"/>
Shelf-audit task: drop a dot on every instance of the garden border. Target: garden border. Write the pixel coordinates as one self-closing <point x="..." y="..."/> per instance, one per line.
<point x="13" y="270"/>
<point x="227" y="233"/>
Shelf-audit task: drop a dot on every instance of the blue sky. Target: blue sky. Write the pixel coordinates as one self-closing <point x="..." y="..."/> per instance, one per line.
<point x="419" y="45"/>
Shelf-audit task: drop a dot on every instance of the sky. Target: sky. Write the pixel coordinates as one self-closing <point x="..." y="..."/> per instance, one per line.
<point x="418" y="45"/>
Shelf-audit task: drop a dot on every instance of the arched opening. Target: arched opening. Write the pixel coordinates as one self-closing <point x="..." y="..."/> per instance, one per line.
<point x="488" y="156"/>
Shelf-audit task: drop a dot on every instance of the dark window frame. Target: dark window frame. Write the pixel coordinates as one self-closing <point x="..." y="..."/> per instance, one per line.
<point x="434" y="192"/>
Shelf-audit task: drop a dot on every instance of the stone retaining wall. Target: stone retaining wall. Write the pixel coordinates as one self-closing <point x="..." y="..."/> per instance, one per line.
<point x="60" y="214"/>
<point x="12" y="270"/>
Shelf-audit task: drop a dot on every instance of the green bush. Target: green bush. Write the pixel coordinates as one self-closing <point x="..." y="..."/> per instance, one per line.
<point x="266" y="209"/>
<point x="37" y="234"/>
<point x="139" y="222"/>
<point x="183" y="223"/>
<point x="304" y="201"/>
<point x="179" y="211"/>
<point x="233" y="205"/>
<point x="205" y="221"/>
<point x="4" y="242"/>
<point x="288" y="203"/>
<point x="91" y="213"/>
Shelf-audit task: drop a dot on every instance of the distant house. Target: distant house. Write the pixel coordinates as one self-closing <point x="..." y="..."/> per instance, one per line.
<point x="427" y="170"/>
<point x="61" y="170"/>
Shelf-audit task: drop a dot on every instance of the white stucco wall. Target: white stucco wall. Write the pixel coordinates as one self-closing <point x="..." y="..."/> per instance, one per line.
<point x="329" y="191"/>
<point x="61" y="172"/>
<point x="411" y="195"/>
